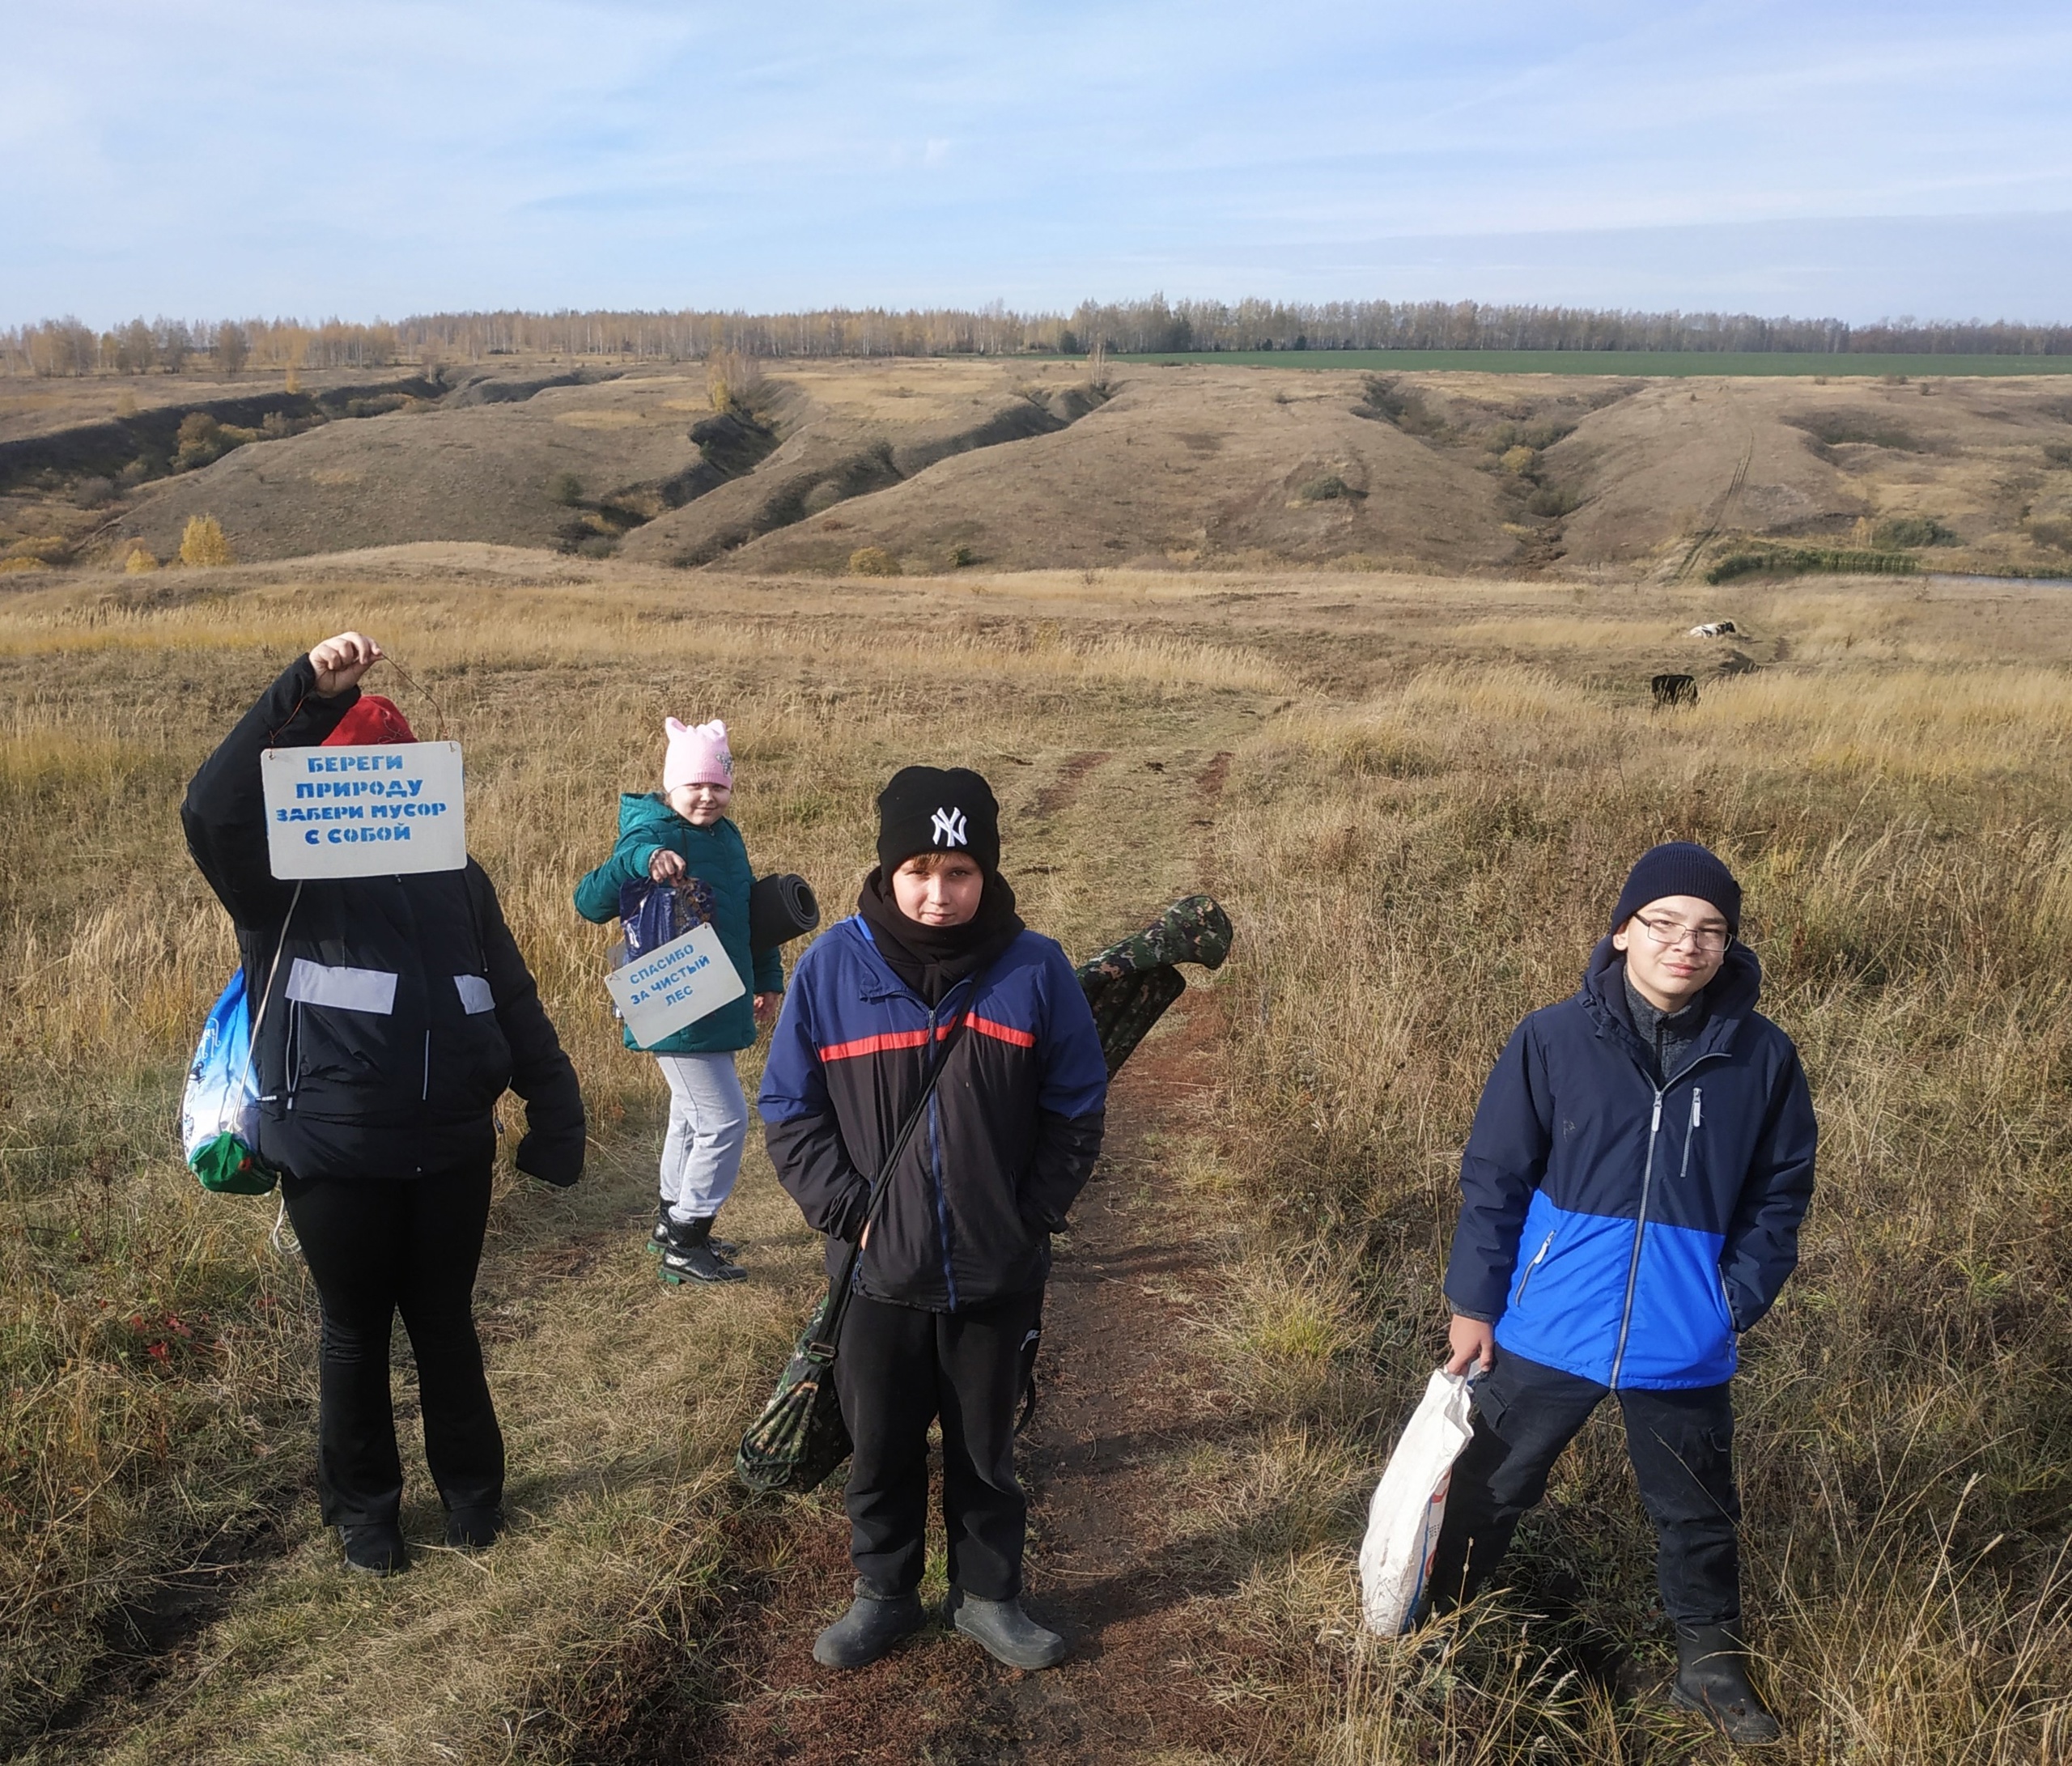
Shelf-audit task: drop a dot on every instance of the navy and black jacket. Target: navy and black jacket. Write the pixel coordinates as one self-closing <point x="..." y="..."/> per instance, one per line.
<point x="400" y="1008"/>
<point x="1010" y="1137"/>
<point x="1626" y="1231"/>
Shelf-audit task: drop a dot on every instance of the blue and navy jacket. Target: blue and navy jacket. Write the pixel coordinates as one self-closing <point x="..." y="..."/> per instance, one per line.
<point x="1009" y="1140"/>
<point x="1624" y="1230"/>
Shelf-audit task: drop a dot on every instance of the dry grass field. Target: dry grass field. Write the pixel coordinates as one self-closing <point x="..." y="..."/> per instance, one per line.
<point x="1417" y="796"/>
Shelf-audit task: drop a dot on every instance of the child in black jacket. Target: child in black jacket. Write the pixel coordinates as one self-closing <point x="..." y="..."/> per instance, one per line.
<point x="956" y="1247"/>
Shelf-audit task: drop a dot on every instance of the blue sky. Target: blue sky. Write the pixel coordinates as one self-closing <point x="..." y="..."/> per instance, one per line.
<point x="1823" y="157"/>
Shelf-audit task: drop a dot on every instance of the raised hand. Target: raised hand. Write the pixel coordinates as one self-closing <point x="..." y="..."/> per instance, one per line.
<point x="340" y="662"/>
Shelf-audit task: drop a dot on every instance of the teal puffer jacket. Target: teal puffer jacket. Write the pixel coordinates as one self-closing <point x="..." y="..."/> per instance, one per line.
<point x="717" y="855"/>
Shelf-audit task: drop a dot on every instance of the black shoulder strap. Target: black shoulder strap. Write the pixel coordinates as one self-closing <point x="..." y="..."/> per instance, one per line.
<point x="476" y="880"/>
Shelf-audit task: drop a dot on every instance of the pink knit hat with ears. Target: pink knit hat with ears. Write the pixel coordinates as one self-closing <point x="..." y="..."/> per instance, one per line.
<point x="697" y="757"/>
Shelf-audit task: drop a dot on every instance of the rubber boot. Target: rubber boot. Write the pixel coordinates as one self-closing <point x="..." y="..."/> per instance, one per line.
<point x="1712" y="1677"/>
<point x="1007" y="1633"/>
<point x="658" y="1240"/>
<point x="374" y="1548"/>
<point x="690" y="1255"/>
<point x="873" y="1624"/>
<point x="473" y="1529"/>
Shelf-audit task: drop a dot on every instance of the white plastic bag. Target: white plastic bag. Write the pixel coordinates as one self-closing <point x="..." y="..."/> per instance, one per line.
<point x="1409" y="1504"/>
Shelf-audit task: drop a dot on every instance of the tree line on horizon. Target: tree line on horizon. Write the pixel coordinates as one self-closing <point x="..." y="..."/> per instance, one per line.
<point x="66" y="346"/>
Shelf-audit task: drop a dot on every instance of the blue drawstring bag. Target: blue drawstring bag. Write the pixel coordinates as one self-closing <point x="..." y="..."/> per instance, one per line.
<point x="219" y="1114"/>
<point x="649" y="915"/>
<point x="652" y="914"/>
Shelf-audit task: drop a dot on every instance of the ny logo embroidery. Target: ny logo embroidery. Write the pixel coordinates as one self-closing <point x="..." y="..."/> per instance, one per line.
<point x="949" y="829"/>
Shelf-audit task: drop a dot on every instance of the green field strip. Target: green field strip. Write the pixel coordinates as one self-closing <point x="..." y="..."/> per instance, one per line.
<point x="1641" y="363"/>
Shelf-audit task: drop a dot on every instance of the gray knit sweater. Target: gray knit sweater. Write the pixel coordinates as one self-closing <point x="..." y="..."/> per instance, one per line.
<point x="1669" y="1035"/>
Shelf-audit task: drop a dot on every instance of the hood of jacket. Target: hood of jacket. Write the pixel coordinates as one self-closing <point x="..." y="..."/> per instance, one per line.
<point x="645" y="813"/>
<point x="1731" y="998"/>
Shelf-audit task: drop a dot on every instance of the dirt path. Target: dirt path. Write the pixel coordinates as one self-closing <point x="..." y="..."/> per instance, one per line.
<point x="1124" y="1399"/>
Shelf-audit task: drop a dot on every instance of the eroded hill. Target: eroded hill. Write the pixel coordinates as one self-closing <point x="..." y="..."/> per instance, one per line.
<point x="935" y="466"/>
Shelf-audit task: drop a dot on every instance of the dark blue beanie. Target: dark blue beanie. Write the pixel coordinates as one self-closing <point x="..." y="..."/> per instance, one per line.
<point x="1680" y="868"/>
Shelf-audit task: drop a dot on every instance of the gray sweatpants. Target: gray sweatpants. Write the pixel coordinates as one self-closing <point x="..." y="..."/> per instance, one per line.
<point x="708" y="1125"/>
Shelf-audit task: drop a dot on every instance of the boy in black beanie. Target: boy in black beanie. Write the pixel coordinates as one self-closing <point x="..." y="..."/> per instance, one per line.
<point x="956" y="1238"/>
<point x="1631" y="1196"/>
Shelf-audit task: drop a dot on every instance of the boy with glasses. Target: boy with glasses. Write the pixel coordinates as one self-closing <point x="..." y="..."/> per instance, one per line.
<point x="1631" y="1195"/>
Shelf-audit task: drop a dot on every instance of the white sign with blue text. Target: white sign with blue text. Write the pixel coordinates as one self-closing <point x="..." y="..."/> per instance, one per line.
<point x="377" y="811"/>
<point x="675" y="984"/>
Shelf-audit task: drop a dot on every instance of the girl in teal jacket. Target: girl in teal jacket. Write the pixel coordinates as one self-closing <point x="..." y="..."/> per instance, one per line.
<point x="678" y="835"/>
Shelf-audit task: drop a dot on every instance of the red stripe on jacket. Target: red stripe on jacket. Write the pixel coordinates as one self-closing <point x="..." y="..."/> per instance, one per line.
<point x="914" y="1039"/>
<point x="877" y="1045"/>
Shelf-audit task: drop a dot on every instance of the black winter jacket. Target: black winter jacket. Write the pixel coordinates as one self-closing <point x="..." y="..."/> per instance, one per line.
<point x="400" y="1009"/>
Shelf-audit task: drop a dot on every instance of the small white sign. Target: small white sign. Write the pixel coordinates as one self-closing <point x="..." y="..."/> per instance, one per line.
<point x="377" y="811"/>
<point x="675" y="984"/>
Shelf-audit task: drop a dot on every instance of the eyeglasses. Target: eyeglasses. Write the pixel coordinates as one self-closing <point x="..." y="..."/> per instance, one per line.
<point x="1708" y="940"/>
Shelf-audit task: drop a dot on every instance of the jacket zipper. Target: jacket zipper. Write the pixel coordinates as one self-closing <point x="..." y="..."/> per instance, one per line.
<point x="1537" y="1257"/>
<point x="1690" y="1134"/>
<point x="1640" y="1232"/>
<point x="935" y="1160"/>
<point x="1647" y="1186"/>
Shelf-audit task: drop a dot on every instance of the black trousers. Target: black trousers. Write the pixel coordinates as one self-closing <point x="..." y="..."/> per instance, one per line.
<point x="897" y="1369"/>
<point x="374" y="1248"/>
<point x="1682" y="1447"/>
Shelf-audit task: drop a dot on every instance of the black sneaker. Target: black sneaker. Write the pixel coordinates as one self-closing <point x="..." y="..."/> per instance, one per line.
<point x="692" y="1254"/>
<point x="375" y="1548"/>
<point x="473" y="1529"/>
<point x="871" y="1626"/>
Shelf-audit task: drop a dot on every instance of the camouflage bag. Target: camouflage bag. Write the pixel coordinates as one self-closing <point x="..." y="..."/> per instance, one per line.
<point x="1130" y="985"/>
<point x="800" y="1437"/>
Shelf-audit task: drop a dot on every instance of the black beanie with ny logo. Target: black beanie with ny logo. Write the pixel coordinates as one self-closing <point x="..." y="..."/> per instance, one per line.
<point x="937" y="809"/>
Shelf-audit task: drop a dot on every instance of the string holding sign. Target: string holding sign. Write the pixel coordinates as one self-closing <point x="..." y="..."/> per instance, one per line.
<point x="380" y="811"/>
